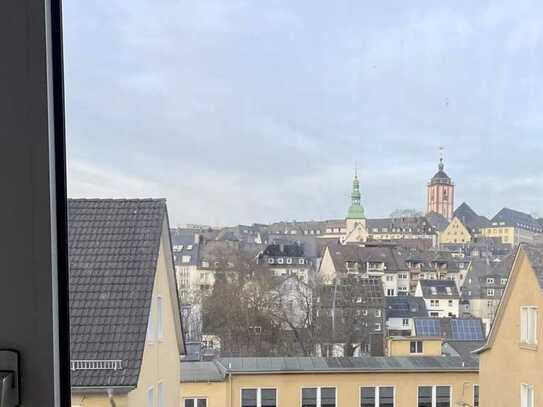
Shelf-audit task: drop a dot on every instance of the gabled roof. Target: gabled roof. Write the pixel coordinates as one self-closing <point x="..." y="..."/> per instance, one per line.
<point x="534" y="253"/>
<point x="113" y="249"/>
<point x="512" y="218"/>
<point x="437" y="221"/>
<point x="439" y="289"/>
<point x="469" y="218"/>
<point x="405" y="306"/>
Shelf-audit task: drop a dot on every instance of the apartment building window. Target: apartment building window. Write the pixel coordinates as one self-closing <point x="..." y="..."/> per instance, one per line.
<point x="185" y="259"/>
<point x="258" y="398"/>
<point x="160" y="395"/>
<point x="377" y="327"/>
<point x="390" y="292"/>
<point x="504" y="281"/>
<point x="416" y="347"/>
<point x="151" y="397"/>
<point x="434" y="396"/>
<point x="490" y="292"/>
<point x="377" y="396"/>
<point x="527" y="396"/>
<point x="528" y="325"/>
<point x="319" y="397"/>
<point x="405" y="322"/>
<point x="475" y="395"/>
<point x="378" y="313"/>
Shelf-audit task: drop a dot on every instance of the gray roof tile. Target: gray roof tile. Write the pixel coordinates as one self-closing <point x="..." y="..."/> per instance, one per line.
<point x="113" y="251"/>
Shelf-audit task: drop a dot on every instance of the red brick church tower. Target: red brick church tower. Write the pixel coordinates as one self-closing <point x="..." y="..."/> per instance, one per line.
<point x="441" y="193"/>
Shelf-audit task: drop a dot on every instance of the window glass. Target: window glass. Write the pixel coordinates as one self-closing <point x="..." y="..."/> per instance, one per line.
<point x="249" y="398"/>
<point x="386" y="397"/>
<point x="476" y="395"/>
<point x="443" y="396"/>
<point x="425" y="396"/>
<point x="189" y="403"/>
<point x="309" y="397"/>
<point x="367" y="397"/>
<point x="202" y="403"/>
<point x="268" y="397"/>
<point x="328" y="397"/>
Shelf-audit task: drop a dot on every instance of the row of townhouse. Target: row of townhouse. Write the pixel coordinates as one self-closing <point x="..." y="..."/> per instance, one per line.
<point x="399" y="268"/>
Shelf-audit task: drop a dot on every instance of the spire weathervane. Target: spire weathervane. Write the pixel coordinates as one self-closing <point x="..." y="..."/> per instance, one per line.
<point x="441" y="165"/>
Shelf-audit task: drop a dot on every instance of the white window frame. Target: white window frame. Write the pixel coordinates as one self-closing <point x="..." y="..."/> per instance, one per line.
<point x="150" y="396"/>
<point x="161" y="402"/>
<point x="528" y="331"/>
<point x="377" y="389"/>
<point x="318" y="393"/>
<point x="524" y="388"/>
<point x="258" y="395"/>
<point x="434" y="393"/>
<point x="195" y="400"/>
<point x="417" y="350"/>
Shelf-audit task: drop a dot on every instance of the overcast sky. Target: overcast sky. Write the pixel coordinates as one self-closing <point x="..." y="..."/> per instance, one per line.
<point x="256" y="111"/>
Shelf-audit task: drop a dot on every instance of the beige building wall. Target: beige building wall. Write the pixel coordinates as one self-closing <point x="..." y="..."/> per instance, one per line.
<point x="347" y="386"/>
<point x="161" y="357"/>
<point x="402" y="346"/>
<point x="214" y="392"/>
<point x="508" y="363"/>
<point x="455" y="232"/>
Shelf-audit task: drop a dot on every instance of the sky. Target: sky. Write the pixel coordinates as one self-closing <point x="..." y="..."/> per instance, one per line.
<point x="240" y="111"/>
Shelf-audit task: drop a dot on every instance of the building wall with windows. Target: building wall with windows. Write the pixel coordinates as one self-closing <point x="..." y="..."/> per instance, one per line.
<point x="512" y="358"/>
<point x="160" y="367"/>
<point x="403" y="386"/>
<point x="413" y="346"/>
<point x="455" y="232"/>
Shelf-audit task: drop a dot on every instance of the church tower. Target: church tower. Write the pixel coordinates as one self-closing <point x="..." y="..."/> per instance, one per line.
<point x="441" y="192"/>
<point x="356" y="220"/>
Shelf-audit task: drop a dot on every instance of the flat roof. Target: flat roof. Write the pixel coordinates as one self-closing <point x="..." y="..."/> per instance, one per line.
<point x="218" y="369"/>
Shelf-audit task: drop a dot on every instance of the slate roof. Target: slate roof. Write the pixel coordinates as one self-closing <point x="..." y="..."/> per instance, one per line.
<point x="437" y="220"/>
<point x="218" y="369"/>
<point x="440" y="289"/>
<point x="113" y="248"/>
<point x="463" y="349"/>
<point x="440" y="177"/>
<point x="405" y="306"/>
<point x="470" y="219"/>
<point x="342" y="254"/>
<point x="288" y="250"/>
<point x="196" y="371"/>
<point x="475" y="281"/>
<point x="535" y="255"/>
<point x="512" y="218"/>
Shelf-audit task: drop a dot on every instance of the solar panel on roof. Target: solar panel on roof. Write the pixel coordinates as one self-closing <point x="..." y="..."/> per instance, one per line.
<point x="467" y="330"/>
<point x="427" y="327"/>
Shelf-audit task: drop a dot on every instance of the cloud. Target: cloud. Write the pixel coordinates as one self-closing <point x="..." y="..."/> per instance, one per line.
<point x="240" y="111"/>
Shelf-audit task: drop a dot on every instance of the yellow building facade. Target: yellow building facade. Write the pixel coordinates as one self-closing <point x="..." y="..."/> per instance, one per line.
<point x="414" y="346"/>
<point x="511" y="361"/>
<point x="346" y="385"/>
<point x="455" y="232"/>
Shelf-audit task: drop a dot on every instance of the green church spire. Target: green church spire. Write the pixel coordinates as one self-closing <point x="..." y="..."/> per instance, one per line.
<point x="356" y="210"/>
